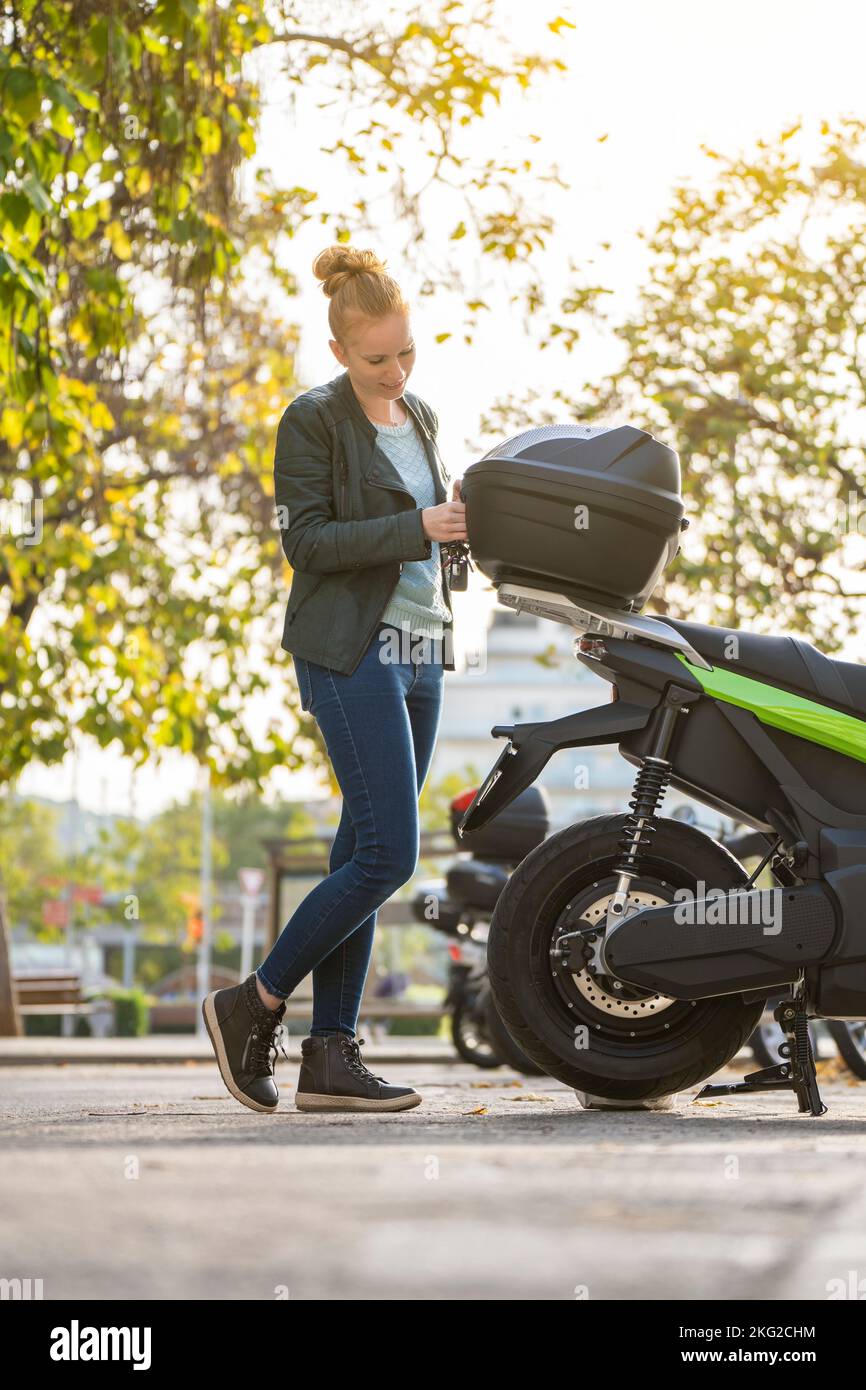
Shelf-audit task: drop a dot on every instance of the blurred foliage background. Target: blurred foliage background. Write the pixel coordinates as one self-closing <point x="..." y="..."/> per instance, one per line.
<point x="148" y="348"/>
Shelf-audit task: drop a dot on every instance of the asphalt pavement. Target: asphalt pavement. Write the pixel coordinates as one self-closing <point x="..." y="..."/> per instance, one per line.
<point x="149" y="1181"/>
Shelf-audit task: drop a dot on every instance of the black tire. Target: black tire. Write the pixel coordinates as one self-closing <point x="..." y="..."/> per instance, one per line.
<point x="851" y="1042"/>
<point x="470" y="1038"/>
<point x="649" y="1049"/>
<point x="502" y="1041"/>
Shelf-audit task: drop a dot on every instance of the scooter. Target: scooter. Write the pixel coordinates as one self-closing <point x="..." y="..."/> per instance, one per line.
<point x="631" y="955"/>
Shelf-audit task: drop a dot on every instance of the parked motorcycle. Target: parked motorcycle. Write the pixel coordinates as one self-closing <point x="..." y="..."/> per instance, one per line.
<point x="467" y="997"/>
<point x="462" y="909"/>
<point x="631" y="955"/>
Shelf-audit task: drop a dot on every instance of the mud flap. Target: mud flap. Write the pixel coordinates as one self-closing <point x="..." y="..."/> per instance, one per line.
<point x="530" y="747"/>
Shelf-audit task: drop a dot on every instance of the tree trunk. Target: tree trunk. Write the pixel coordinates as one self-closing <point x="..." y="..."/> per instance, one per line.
<point x="10" y="1019"/>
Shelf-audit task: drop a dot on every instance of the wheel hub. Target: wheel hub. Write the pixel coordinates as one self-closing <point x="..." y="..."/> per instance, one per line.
<point x="604" y="992"/>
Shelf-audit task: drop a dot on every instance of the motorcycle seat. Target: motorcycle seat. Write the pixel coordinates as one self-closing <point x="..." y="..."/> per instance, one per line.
<point x="789" y="662"/>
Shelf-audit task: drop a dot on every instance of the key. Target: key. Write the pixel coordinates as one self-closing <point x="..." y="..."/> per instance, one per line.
<point x="458" y="562"/>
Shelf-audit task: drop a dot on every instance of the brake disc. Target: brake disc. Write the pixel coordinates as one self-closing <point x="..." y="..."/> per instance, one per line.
<point x="604" y="993"/>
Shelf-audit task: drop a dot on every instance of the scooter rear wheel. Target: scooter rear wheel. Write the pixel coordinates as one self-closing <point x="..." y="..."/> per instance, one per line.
<point x="588" y="1031"/>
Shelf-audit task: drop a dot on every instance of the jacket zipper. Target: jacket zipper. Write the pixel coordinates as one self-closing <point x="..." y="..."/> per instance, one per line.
<point x="393" y="487"/>
<point x="344" y="474"/>
<point x="441" y="470"/>
<point x="445" y="585"/>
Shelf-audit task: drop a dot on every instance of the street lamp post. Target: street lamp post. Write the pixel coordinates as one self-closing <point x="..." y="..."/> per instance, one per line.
<point x="204" y="950"/>
<point x="251" y="881"/>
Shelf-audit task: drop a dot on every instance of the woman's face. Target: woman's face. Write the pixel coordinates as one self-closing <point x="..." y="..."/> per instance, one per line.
<point x="379" y="354"/>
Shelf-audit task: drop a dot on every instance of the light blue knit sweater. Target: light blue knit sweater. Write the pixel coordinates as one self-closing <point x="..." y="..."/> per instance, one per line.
<point x="418" y="602"/>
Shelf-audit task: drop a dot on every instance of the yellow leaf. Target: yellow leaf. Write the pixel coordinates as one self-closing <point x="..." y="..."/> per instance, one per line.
<point x="101" y="417"/>
<point x="209" y="134"/>
<point x="138" y="181"/>
<point x="12" y="427"/>
<point x="119" y="241"/>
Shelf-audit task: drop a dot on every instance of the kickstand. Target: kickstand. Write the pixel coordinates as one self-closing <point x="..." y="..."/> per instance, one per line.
<point x="796" y="1073"/>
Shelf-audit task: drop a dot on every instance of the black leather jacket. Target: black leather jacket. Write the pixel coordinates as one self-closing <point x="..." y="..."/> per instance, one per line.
<point x="347" y="522"/>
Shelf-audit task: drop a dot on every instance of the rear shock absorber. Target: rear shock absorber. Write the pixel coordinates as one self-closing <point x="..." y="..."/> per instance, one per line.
<point x="650" y="786"/>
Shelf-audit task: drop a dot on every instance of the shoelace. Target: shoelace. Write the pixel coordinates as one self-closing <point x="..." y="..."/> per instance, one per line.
<point x="270" y="1039"/>
<point x="350" y="1048"/>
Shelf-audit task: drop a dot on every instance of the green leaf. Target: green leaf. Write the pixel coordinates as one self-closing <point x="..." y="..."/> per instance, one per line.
<point x="61" y="121"/>
<point x="36" y="193"/>
<point x="21" y="91"/>
<point x="15" y="208"/>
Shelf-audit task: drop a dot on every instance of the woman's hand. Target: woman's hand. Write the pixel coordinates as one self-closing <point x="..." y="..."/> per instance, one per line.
<point x="447" y="522"/>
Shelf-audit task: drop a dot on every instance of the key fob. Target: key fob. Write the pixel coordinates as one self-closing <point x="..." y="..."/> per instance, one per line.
<point x="458" y="576"/>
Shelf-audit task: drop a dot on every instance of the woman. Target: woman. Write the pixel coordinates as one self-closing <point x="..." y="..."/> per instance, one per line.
<point x="362" y="501"/>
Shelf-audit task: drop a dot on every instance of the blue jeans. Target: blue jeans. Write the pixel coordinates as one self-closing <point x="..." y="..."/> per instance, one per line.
<point x="379" y="725"/>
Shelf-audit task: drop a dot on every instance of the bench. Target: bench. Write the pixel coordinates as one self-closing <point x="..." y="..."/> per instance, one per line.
<point x="51" y="995"/>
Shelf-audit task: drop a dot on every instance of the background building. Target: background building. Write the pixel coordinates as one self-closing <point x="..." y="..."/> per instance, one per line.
<point x="526" y="672"/>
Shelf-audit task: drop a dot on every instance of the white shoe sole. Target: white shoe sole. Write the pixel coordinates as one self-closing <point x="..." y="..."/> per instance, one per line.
<point x="216" y="1037"/>
<point x="309" y="1101"/>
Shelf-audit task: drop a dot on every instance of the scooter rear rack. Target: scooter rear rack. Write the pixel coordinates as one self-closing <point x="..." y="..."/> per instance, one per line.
<point x="797" y="1073"/>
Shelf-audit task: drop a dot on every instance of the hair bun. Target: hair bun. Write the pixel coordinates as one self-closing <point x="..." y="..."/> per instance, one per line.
<point x="334" y="265"/>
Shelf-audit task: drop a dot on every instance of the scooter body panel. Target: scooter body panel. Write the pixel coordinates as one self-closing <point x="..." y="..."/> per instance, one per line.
<point x="789" y="766"/>
<point x="723" y="943"/>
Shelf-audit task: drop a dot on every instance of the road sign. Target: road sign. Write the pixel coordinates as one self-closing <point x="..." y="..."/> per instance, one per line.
<point x="251" y="881"/>
<point x="55" y="912"/>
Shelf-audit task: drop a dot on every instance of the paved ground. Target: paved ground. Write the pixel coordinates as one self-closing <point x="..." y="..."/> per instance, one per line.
<point x="151" y="1182"/>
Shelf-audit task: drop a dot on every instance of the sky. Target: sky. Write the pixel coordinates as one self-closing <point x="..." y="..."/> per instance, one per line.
<point x="649" y="82"/>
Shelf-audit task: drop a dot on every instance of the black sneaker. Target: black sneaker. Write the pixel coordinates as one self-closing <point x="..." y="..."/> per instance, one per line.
<point x="333" y="1077"/>
<point x="244" y="1032"/>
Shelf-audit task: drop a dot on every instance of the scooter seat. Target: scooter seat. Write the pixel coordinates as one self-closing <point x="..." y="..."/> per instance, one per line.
<point x="789" y="662"/>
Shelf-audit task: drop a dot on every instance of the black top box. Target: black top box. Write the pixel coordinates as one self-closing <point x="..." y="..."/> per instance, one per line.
<point x="592" y="512"/>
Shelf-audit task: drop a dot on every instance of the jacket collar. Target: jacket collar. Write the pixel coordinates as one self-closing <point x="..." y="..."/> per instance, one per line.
<point x="345" y="393"/>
